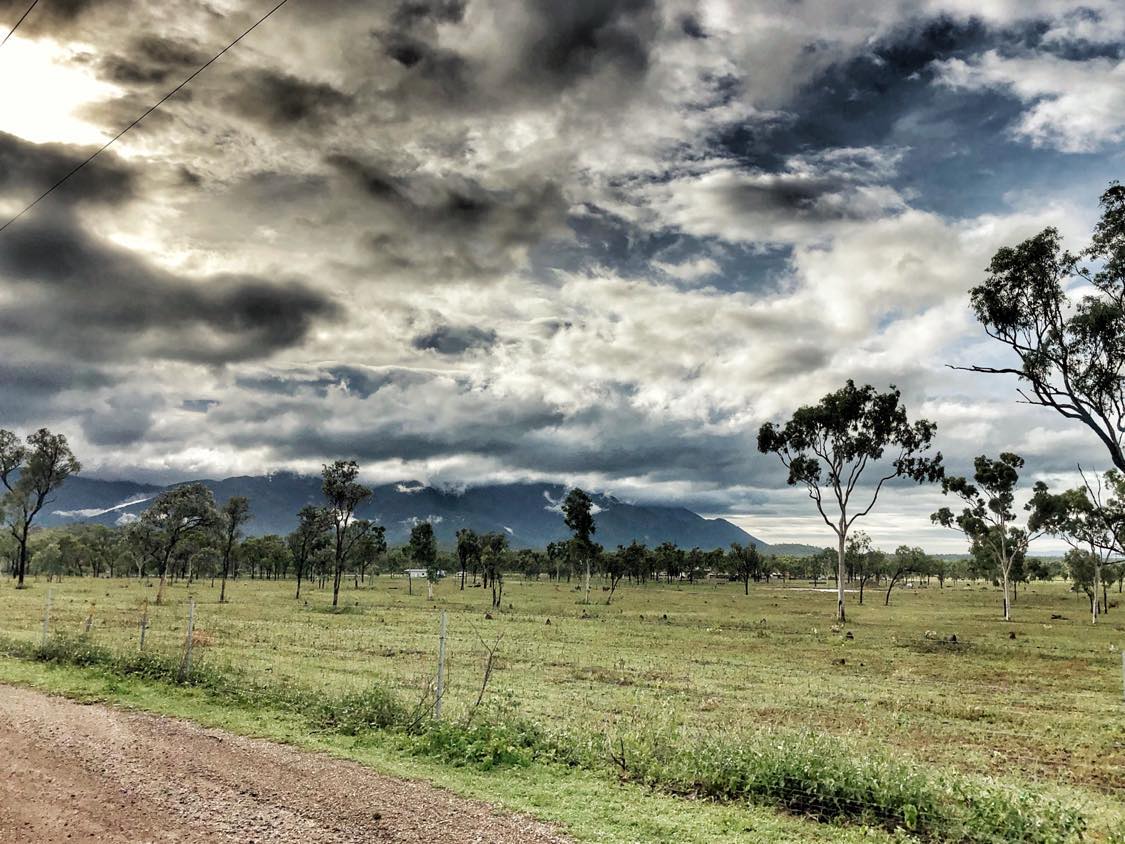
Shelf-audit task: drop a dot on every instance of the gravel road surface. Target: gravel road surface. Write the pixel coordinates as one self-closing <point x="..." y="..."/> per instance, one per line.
<point x="87" y="773"/>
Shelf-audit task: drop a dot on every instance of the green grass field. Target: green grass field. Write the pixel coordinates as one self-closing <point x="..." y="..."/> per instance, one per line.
<point x="1044" y="708"/>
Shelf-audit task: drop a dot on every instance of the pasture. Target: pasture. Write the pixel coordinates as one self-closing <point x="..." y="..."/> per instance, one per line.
<point x="935" y="677"/>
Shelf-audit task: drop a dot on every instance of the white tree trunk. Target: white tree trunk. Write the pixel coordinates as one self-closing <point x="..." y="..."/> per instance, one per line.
<point x="1097" y="584"/>
<point x="841" y="616"/>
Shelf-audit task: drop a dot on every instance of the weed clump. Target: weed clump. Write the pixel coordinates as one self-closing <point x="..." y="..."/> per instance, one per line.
<point x="829" y="780"/>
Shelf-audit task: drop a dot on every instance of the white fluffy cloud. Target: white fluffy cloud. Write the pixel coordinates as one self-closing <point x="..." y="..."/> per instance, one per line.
<point x="1073" y="106"/>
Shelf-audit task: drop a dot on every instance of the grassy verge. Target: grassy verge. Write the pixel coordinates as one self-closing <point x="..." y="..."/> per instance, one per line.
<point x="816" y="777"/>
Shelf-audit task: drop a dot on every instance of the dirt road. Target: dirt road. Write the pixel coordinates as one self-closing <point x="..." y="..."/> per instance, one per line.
<point x="75" y="773"/>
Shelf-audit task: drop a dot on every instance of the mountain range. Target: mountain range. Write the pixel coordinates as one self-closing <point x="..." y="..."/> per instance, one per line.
<point x="529" y="513"/>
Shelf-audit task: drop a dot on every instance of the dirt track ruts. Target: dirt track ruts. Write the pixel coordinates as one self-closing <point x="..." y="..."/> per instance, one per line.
<point x="83" y="773"/>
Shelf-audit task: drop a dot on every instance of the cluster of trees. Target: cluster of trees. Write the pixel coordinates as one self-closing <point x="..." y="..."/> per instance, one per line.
<point x="847" y="447"/>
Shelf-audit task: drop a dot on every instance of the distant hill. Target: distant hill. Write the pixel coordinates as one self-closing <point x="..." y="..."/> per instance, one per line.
<point x="529" y="513"/>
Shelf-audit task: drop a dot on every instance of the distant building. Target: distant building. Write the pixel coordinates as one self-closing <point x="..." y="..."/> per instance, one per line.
<point x="422" y="573"/>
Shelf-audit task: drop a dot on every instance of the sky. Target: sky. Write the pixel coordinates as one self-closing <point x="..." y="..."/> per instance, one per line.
<point x="486" y="240"/>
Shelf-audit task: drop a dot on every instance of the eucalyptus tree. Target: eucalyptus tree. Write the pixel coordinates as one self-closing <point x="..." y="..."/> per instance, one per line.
<point x="987" y="518"/>
<point x="863" y="561"/>
<point x="232" y="517"/>
<point x="176" y="516"/>
<point x="744" y="562"/>
<point x="343" y="494"/>
<point x="368" y="549"/>
<point x="310" y="536"/>
<point x="423" y="551"/>
<point x="1081" y="569"/>
<point x="695" y="564"/>
<point x="556" y="556"/>
<point x="1071" y="353"/>
<point x="905" y="561"/>
<point x="578" y="513"/>
<point x="48" y="560"/>
<point x="829" y="446"/>
<point x="627" y="560"/>
<point x="494" y="555"/>
<point x="669" y="559"/>
<point x="268" y="556"/>
<point x="30" y="472"/>
<point x="1090" y="518"/>
<point x="468" y="551"/>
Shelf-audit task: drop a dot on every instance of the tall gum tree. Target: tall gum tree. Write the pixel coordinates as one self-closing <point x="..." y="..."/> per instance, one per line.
<point x="1071" y="354"/>
<point x="828" y="447"/>
<point x="578" y="513"/>
<point x="988" y="519"/>
<point x="1089" y="518"/>
<point x="175" y="517"/>
<point x="343" y="494"/>
<point x="423" y="551"/>
<point x="310" y="536"/>
<point x="30" y="472"/>
<point x="233" y="517"/>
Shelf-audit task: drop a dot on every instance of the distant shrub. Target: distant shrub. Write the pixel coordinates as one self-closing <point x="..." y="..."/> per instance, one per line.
<point x="374" y="708"/>
<point x="64" y="649"/>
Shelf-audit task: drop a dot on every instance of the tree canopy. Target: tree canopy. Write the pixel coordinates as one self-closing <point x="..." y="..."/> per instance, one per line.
<point x="1071" y="353"/>
<point x="827" y="447"/>
<point x="30" y="472"/>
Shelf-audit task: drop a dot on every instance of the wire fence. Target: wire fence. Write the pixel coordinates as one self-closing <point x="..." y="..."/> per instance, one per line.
<point x="350" y="650"/>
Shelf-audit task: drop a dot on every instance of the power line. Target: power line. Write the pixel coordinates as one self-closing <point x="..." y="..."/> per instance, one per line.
<point x="12" y="31"/>
<point x="149" y="111"/>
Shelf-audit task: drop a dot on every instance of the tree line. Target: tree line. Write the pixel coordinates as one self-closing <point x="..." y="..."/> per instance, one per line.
<point x="844" y="451"/>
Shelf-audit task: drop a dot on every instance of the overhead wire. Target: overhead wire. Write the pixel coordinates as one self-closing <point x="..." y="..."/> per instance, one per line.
<point x="23" y="17"/>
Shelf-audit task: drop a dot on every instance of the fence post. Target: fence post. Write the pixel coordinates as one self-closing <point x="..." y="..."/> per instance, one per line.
<point x="144" y="623"/>
<point x="440" y="691"/>
<point x="185" y="666"/>
<point x="47" y="615"/>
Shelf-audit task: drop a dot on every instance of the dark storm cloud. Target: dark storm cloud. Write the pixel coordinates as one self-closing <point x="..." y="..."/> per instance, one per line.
<point x="433" y="73"/>
<point x="547" y="47"/>
<point x="452" y="226"/>
<point x="30" y="388"/>
<point x="359" y="381"/>
<point x="580" y="38"/>
<point x="30" y="169"/>
<point x="410" y="13"/>
<point x="122" y="421"/>
<point x="152" y="59"/>
<point x="81" y="295"/>
<point x="794" y="197"/>
<point x="280" y="100"/>
<point x="199" y="405"/>
<point x="691" y="27"/>
<point x="525" y="435"/>
<point x="49" y="16"/>
<point x="454" y="339"/>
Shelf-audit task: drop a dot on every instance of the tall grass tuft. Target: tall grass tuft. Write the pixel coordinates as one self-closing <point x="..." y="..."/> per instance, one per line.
<point x="830" y="780"/>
